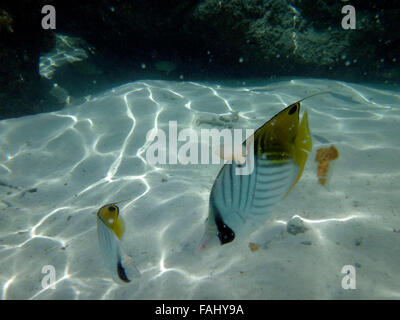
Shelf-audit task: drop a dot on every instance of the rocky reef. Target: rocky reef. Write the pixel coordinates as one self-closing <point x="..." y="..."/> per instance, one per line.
<point x="22" y="90"/>
<point x="209" y="39"/>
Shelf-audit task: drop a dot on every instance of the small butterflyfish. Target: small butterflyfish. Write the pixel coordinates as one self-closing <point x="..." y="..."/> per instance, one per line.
<point x="110" y="229"/>
<point x="239" y="203"/>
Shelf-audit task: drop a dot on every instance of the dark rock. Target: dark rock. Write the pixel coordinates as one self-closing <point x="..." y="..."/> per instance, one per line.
<point x="239" y="38"/>
<point x="206" y="39"/>
<point x="295" y="226"/>
<point x="22" y="40"/>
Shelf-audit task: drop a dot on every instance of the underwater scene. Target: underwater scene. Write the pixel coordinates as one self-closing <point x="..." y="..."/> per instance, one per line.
<point x="199" y="149"/>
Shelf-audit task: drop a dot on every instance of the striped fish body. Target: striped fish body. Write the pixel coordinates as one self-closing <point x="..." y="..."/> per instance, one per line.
<point x="240" y="203"/>
<point x="111" y="250"/>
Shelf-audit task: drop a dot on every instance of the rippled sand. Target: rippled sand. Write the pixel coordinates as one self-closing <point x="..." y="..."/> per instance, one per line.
<point x="57" y="169"/>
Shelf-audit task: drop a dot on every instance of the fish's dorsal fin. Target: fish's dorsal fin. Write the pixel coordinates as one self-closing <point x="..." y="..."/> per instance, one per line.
<point x="279" y="133"/>
<point x="313" y="95"/>
<point x="122" y="201"/>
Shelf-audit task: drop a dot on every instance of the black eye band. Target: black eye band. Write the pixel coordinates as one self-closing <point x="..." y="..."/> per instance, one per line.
<point x="293" y="109"/>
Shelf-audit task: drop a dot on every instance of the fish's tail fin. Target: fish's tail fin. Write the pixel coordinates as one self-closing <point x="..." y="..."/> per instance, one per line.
<point x="209" y="236"/>
<point x="128" y="264"/>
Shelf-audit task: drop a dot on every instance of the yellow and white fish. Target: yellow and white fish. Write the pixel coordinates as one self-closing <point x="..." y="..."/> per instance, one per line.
<point x="239" y="203"/>
<point x="110" y="228"/>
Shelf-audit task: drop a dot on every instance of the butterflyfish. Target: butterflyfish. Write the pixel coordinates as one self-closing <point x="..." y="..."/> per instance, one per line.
<point x="240" y="202"/>
<point x="110" y="229"/>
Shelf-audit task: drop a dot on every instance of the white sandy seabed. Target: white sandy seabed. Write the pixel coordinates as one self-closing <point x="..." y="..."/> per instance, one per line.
<point x="57" y="169"/>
